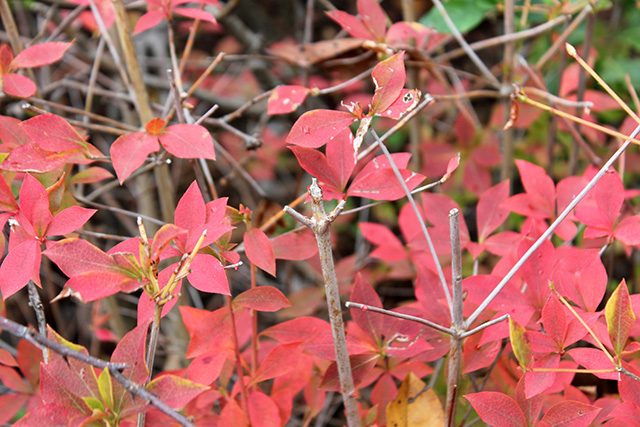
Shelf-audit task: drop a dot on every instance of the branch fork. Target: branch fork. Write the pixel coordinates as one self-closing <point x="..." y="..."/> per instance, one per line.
<point x="320" y="224"/>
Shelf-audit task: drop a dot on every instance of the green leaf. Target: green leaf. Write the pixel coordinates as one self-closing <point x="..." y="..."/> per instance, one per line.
<point x="465" y="14"/>
<point x="520" y="343"/>
<point x="620" y="317"/>
<point x="106" y="388"/>
<point x="94" y="404"/>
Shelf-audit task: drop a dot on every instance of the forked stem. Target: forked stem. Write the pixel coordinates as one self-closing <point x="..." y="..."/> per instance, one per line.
<point x="320" y="224"/>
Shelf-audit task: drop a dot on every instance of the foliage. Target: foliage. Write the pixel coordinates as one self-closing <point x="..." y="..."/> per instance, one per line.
<point x="470" y="248"/>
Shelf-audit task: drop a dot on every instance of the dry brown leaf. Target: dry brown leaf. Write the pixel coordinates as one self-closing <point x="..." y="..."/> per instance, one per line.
<point x="310" y="54"/>
<point x="414" y="407"/>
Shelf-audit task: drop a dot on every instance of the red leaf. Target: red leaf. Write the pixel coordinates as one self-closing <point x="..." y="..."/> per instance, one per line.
<point x="18" y="266"/>
<point x="490" y="215"/>
<point x="76" y="256"/>
<point x="530" y="407"/>
<point x="361" y="366"/>
<point x="405" y="102"/>
<point x="262" y="298"/>
<point x="388" y="76"/>
<point x="188" y="141"/>
<point x="69" y="220"/>
<point x="6" y="56"/>
<point x="382" y="184"/>
<point x="11" y="133"/>
<point x="340" y="157"/>
<point x="208" y="275"/>
<point x="536" y="181"/>
<point x="175" y="391"/>
<point x="131" y="350"/>
<point x="148" y="20"/>
<point x="629" y="388"/>
<point x="554" y="319"/>
<point x="163" y="238"/>
<point x="206" y="368"/>
<point x="40" y="54"/>
<point x="50" y="415"/>
<point x="351" y="24"/>
<point x="34" y="207"/>
<point x="209" y="330"/>
<point x="363" y="293"/>
<point x="93" y="285"/>
<point x="286" y="99"/>
<point x="316" y="164"/>
<point x="389" y="248"/>
<point x="478" y="356"/>
<point x="295" y="245"/>
<point x="10" y="404"/>
<point x="129" y="152"/>
<point x="194" y="13"/>
<point x="539" y="199"/>
<point x="263" y="411"/>
<point x="497" y="409"/>
<point x="90" y="175"/>
<point x="301" y="329"/>
<point x="570" y="413"/>
<point x="594" y="359"/>
<point x="18" y="85"/>
<point x="581" y="276"/>
<point x="12" y="380"/>
<point x="537" y="382"/>
<point x="281" y="360"/>
<point x="373" y="18"/>
<point x="315" y="128"/>
<point x="259" y="250"/>
<point x="31" y="158"/>
<point x="628" y="231"/>
<point x="191" y="212"/>
<point x="53" y="133"/>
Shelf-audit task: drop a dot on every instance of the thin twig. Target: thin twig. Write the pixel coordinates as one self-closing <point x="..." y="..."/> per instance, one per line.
<point x="563" y="37"/>
<point x="455" y="344"/>
<point x="551" y="228"/>
<point x="505" y="38"/>
<point x="35" y="338"/>
<point x="485" y="325"/>
<point x="36" y="304"/>
<point x="486" y="73"/>
<point x="423" y="226"/>
<point x="420" y="320"/>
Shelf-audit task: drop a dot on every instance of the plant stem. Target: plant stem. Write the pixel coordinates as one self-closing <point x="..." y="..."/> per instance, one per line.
<point x="416" y="210"/>
<point x="486" y="73"/>
<point x="563" y="37"/>
<point x="38" y="340"/>
<point x="505" y="38"/>
<point x="151" y="351"/>
<point x="455" y="349"/>
<point x="551" y="228"/>
<point x="508" y="64"/>
<point x="524" y="98"/>
<point x="420" y="320"/>
<point x="320" y="224"/>
<point x="244" y="401"/>
<point x="36" y="304"/>
<point x="165" y="186"/>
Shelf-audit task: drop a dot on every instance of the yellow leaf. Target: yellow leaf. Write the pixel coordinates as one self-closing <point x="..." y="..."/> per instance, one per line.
<point x="520" y="343"/>
<point x="414" y="406"/>
<point x="620" y="317"/>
